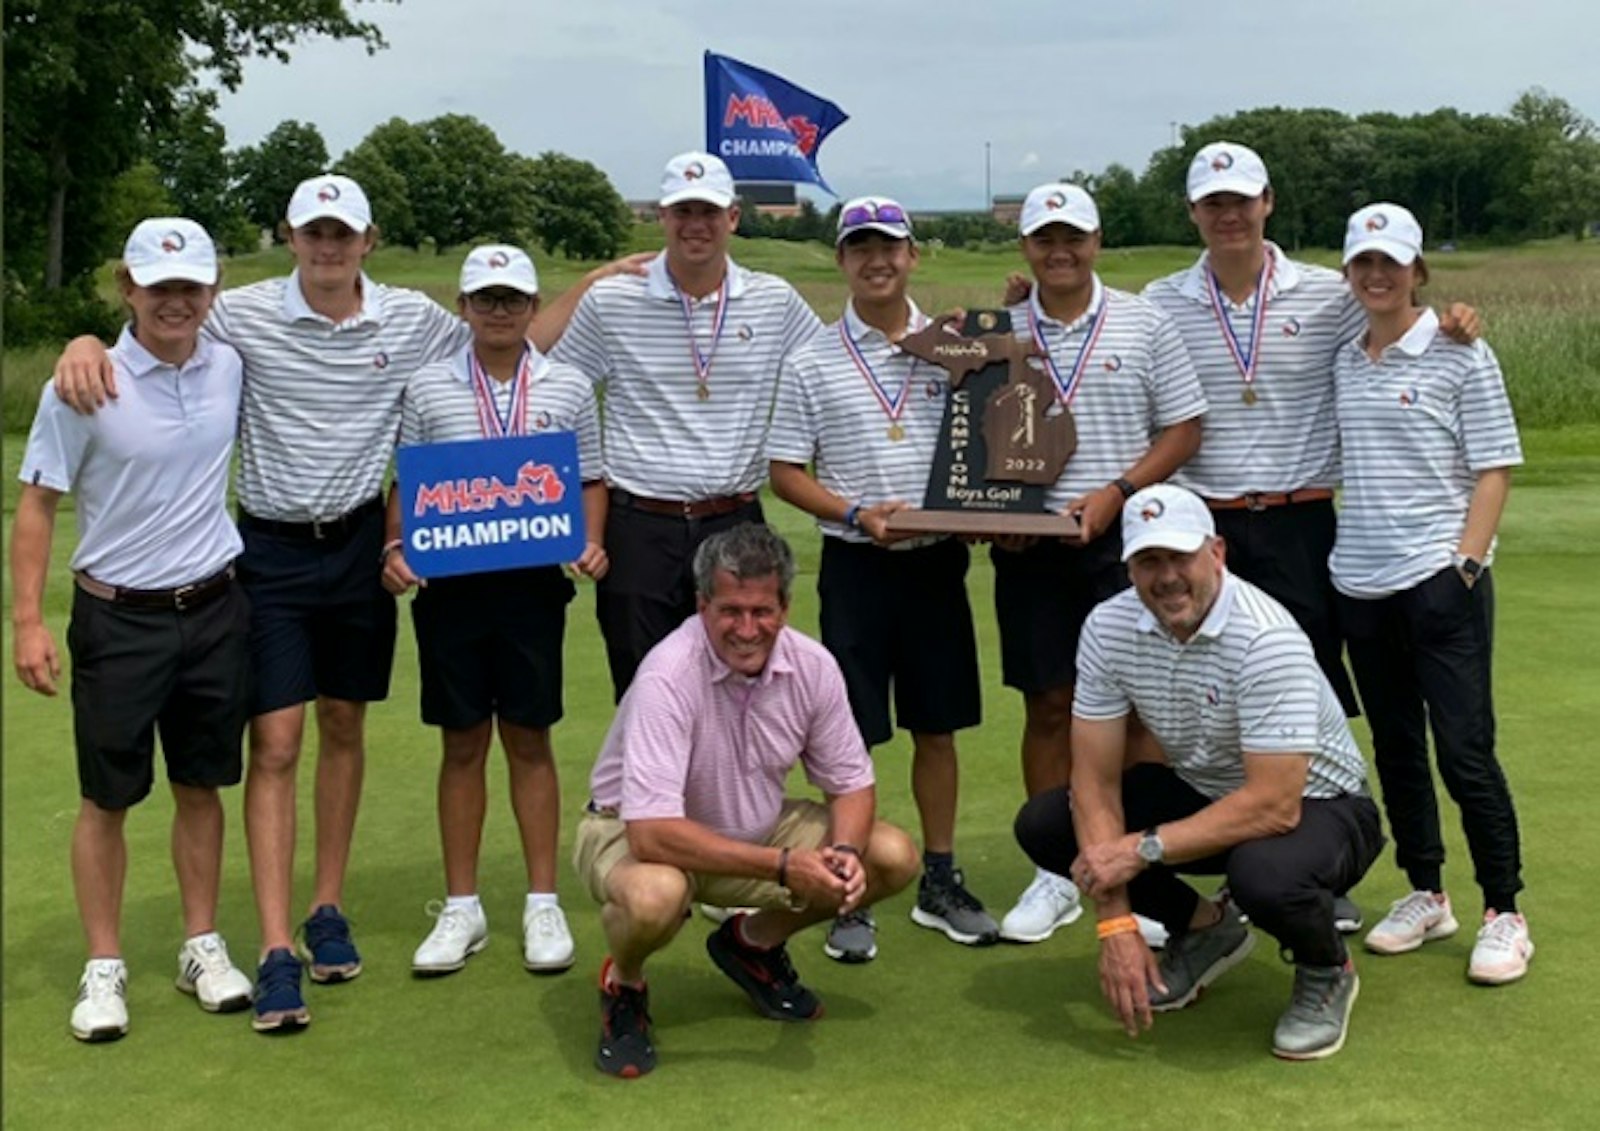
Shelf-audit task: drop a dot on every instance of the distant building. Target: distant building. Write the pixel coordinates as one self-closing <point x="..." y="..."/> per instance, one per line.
<point x="1007" y="209"/>
<point x="770" y="198"/>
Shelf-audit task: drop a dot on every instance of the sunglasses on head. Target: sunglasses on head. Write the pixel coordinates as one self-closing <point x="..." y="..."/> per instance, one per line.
<point x="513" y="302"/>
<point x="870" y="213"/>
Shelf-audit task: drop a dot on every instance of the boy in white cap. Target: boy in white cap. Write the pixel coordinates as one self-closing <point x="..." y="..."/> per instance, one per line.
<point x="1117" y="364"/>
<point x="1264" y="783"/>
<point x="160" y="626"/>
<point x="894" y="610"/>
<point x="489" y="644"/>
<point x="688" y="355"/>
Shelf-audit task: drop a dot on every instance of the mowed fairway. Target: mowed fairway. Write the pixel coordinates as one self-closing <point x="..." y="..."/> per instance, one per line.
<point x="931" y="1034"/>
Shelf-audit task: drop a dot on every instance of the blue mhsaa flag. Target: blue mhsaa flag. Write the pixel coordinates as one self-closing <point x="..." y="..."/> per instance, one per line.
<point x="765" y="127"/>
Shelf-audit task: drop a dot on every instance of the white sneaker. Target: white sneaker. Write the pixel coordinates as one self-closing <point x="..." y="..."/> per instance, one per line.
<point x="1420" y="917"/>
<point x="1049" y="902"/>
<point x="1155" y="935"/>
<point x="546" y="942"/>
<point x="101" y="1011"/>
<point x="457" y="935"/>
<point x="205" y="971"/>
<point x="1502" y="951"/>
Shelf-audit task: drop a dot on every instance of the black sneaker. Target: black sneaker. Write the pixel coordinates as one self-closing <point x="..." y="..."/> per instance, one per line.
<point x="625" y="1049"/>
<point x="945" y="904"/>
<point x="766" y="975"/>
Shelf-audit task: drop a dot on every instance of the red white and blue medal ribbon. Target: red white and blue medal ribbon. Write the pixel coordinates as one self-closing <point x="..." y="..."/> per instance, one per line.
<point x="515" y="421"/>
<point x="893" y="406"/>
<point x="1066" y="388"/>
<point x="702" y="360"/>
<point x="1246" y="355"/>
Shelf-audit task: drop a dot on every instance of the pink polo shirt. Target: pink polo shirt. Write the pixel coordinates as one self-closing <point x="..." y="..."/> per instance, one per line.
<point x="694" y="739"/>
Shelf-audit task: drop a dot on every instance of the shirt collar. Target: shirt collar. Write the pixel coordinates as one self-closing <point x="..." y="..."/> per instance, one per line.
<point x="658" y="283"/>
<point x="859" y="331"/>
<point x="1097" y="299"/>
<point x="1285" y="275"/>
<point x="1415" y="341"/>
<point x="1210" y="628"/>
<point x="139" y="362"/>
<point x="461" y="364"/>
<point x="297" y="309"/>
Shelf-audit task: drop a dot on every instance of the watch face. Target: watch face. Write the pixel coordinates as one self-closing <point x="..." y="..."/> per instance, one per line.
<point x="1150" y="849"/>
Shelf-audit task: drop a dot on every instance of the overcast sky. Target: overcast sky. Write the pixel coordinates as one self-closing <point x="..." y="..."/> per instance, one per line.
<point x="1050" y="85"/>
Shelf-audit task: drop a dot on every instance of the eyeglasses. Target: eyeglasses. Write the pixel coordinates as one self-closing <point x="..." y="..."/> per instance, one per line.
<point x="512" y="302"/>
<point x="871" y="213"/>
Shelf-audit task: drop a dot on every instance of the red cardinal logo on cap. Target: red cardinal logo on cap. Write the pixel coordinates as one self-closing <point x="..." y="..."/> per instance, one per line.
<point x="1055" y="200"/>
<point x="1153" y="510"/>
<point x="173" y="242"/>
<point x="1221" y="161"/>
<point x="328" y="193"/>
<point x="693" y="171"/>
<point x="499" y="259"/>
<point x="1377" y="222"/>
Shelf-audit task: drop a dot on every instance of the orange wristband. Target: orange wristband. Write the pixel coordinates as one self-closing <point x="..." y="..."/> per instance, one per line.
<point x="1119" y="925"/>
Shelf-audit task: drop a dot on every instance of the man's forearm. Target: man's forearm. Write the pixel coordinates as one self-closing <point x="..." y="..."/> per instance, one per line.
<point x="1246" y="814"/>
<point x="851" y="816"/>
<point x="691" y="846"/>
<point x="31" y="534"/>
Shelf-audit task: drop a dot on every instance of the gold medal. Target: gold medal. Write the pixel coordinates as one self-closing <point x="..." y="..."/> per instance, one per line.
<point x="1249" y="395"/>
<point x="703" y="392"/>
<point x="896" y="433"/>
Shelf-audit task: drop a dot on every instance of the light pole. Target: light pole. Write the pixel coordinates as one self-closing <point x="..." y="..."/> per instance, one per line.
<point x="988" y="194"/>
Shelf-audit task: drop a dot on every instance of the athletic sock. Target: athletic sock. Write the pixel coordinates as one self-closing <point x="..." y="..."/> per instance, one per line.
<point x="538" y="899"/>
<point x="463" y="903"/>
<point x="939" y="865"/>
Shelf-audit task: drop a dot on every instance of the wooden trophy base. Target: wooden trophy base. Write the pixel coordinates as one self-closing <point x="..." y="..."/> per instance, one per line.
<point x="912" y="521"/>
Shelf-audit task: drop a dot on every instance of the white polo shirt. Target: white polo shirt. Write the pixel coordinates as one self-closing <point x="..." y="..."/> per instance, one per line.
<point x="1136" y="380"/>
<point x="1245" y="681"/>
<point x="440" y="405"/>
<point x="829" y="412"/>
<point x="1288" y="439"/>
<point x="322" y="400"/>
<point x="149" y="469"/>
<point x="662" y="440"/>
<point x="1417" y="426"/>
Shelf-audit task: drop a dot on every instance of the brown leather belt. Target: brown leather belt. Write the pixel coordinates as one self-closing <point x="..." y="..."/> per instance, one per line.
<point x="317" y="530"/>
<point x="181" y="599"/>
<point x="697" y="508"/>
<point x="1261" y="500"/>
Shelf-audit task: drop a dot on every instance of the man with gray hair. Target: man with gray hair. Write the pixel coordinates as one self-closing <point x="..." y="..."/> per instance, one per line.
<point x="687" y="798"/>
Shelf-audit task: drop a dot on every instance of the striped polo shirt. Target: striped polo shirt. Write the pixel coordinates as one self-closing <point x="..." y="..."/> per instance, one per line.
<point x="694" y="739"/>
<point x="630" y="334"/>
<point x="322" y="400"/>
<point x="1288" y="439"/>
<point x="440" y="404"/>
<point x="1417" y="426"/>
<point x="1246" y="681"/>
<point x="829" y="413"/>
<point x="149" y="470"/>
<point x="1136" y="380"/>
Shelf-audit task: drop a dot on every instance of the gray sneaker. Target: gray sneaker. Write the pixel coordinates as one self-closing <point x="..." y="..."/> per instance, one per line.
<point x="945" y="904"/>
<point x="853" y="937"/>
<point x="1318" y="1016"/>
<point x="1195" y="959"/>
<point x="1347" y="918"/>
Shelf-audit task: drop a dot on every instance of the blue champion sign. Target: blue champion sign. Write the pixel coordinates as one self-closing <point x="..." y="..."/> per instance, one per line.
<point x="482" y="505"/>
<point x="763" y="126"/>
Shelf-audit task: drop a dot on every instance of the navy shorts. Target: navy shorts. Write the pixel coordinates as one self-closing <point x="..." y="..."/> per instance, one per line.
<point x="322" y="623"/>
<point x="1042" y="596"/>
<point x="489" y="645"/>
<point x="138" y="671"/>
<point x="901" y="617"/>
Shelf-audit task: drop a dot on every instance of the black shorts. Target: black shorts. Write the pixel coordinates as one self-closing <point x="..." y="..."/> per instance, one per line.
<point x="1284" y="550"/>
<point x="136" y="671"/>
<point x="1042" y="596"/>
<point x="902" y="617"/>
<point x="489" y="645"/>
<point x="322" y="623"/>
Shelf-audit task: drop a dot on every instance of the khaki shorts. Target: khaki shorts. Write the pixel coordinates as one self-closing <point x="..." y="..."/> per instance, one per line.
<point x="602" y="843"/>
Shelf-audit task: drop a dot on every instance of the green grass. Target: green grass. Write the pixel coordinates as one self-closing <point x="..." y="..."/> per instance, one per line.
<point x="929" y="1035"/>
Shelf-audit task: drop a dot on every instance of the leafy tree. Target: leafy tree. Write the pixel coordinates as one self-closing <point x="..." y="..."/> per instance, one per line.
<point x="190" y="150"/>
<point x="1565" y="184"/>
<point x="138" y="193"/>
<point x="576" y="212"/>
<point x="265" y="175"/>
<point x="375" y="165"/>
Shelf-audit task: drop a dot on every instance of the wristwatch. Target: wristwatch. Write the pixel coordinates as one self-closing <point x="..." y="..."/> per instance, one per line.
<point x="1151" y="850"/>
<point x="1470" y="569"/>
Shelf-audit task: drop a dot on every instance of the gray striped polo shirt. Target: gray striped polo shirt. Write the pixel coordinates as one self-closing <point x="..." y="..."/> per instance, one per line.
<point x="1246" y="681"/>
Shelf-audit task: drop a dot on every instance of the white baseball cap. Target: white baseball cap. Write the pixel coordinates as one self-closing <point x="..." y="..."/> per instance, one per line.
<point x="498" y="265"/>
<point x="1167" y="517"/>
<point x="697" y="176"/>
<point x="1226" y="166"/>
<point x="332" y="196"/>
<point x="1058" y="204"/>
<point x="873" y="214"/>
<point x="1388" y="228"/>
<point x="166" y="248"/>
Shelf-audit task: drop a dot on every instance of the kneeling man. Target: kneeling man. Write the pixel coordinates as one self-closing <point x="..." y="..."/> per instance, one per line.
<point x="687" y="798"/>
<point x="1264" y="783"/>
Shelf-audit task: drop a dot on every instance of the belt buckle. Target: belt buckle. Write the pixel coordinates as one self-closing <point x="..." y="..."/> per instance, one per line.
<point x="317" y="525"/>
<point x="181" y="595"/>
<point x="688" y="508"/>
<point x="1253" y="502"/>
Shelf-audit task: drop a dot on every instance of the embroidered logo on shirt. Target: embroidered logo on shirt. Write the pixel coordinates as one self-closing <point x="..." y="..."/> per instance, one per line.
<point x="1113" y="363"/>
<point x="1291" y="328"/>
<point x="381" y="361"/>
<point x="541" y="421"/>
<point x="933" y="390"/>
<point x="745" y="333"/>
<point x="1410" y="397"/>
<point x="1213" y="695"/>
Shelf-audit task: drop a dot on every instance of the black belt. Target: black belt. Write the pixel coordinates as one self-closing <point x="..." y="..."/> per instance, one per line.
<point x="317" y="530"/>
<point x="685" y="508"/>
<point x="181" y="599"/>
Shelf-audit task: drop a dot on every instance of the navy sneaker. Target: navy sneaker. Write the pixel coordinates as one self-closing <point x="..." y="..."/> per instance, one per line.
<point x="276" y="997"/>
<point x="328" y="946"/>
<point x="766" y="975"/>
